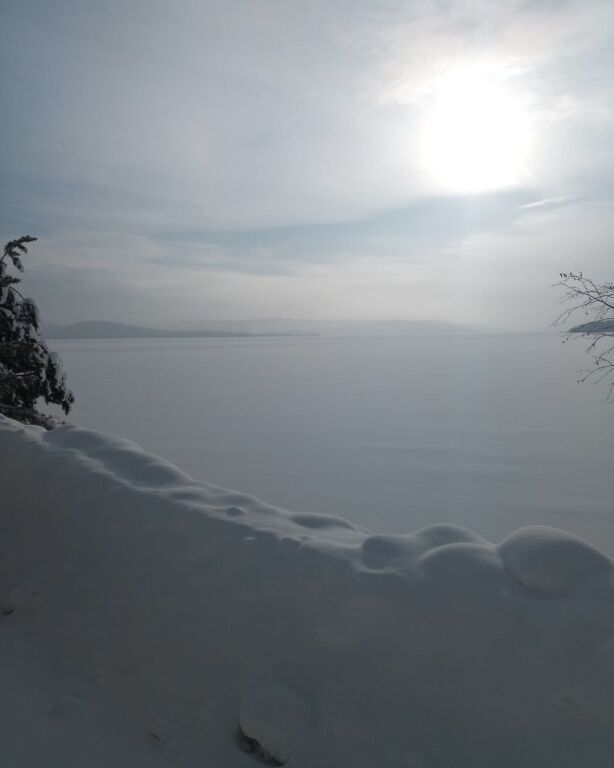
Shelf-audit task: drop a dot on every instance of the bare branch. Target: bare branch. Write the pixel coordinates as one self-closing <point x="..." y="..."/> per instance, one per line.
<point x="596" y="302"/>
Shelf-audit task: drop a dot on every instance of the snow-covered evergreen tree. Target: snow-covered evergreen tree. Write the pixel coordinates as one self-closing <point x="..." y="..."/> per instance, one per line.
<point x="28" y="370"/>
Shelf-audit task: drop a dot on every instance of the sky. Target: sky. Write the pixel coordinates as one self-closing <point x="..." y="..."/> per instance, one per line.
<point x="200" y="160"/>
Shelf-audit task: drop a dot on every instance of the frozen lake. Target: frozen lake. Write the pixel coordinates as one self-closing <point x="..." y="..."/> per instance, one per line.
<point x="487" y="431"/>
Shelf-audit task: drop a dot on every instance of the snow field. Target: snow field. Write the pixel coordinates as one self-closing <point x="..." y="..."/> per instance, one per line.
<point x="147" y="619"/>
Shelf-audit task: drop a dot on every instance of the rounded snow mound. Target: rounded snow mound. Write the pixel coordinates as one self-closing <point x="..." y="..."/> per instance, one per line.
<point x="145" y="617"/>
<point x="552" y="562"/>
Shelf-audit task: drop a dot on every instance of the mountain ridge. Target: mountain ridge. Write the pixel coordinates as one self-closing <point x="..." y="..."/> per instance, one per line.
<point x="103" y="329"/>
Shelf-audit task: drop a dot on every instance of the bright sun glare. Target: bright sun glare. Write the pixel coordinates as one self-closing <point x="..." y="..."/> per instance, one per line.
<point x="476" y="133"/>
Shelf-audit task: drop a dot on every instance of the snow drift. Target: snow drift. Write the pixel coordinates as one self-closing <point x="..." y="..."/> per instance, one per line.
<point x="151" y="620"/>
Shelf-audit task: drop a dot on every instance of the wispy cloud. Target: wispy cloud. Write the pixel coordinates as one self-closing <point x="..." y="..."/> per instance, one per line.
<point x="548" y="202"/>
<point x="259" y="141"/>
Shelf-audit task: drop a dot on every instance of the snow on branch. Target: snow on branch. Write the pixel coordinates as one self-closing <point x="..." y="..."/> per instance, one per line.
<point x="28" y="370"/>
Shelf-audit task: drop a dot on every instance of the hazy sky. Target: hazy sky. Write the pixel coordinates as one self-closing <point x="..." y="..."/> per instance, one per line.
<point x="194" y="160"/>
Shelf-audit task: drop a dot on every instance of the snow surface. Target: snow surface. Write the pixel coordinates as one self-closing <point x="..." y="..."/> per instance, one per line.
<point x="488" y="432"/>
<point x="147" y="619"/>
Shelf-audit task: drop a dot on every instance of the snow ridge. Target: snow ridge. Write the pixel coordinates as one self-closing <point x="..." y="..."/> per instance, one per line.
<point x="148" y="619"/>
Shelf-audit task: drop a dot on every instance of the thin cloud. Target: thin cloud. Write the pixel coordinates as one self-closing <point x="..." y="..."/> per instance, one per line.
<point x="166" y="154"/>
<point x="548" y="202"/>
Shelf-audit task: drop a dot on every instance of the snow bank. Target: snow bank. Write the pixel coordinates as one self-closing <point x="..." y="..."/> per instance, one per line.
<point x="151" y="620"/>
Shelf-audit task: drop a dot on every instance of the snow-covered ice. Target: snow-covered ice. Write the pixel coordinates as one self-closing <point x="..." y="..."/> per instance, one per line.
<point x="491" y="433"/>
<point x="151" y="620"/>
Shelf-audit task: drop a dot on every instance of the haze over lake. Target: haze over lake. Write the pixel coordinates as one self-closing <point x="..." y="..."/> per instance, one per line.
<point x="486" y="431"/>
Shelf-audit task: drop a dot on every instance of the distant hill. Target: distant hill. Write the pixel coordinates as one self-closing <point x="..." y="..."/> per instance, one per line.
<point x="342" y="327"/>
<point x="595" y="326"/>
<point x="99" y="329"/>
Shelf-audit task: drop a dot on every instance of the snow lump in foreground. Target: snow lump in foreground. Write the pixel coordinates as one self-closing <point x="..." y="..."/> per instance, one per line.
<point x="150" y="620"/>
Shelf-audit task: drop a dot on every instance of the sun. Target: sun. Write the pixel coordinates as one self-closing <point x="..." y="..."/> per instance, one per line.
<point x="476" y="133"/>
